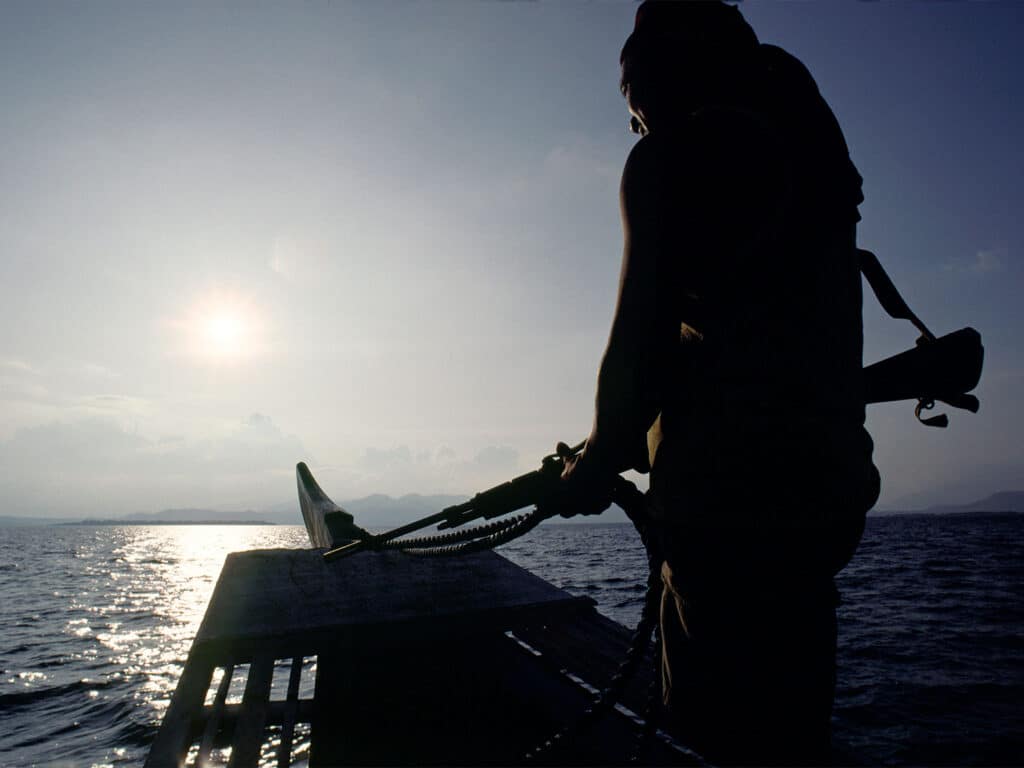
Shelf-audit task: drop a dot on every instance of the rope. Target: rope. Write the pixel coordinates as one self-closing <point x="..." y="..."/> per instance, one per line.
<point x="652" y="709"/>
<point x="519" y="526"/>
<point x="633" y="503"/>
<point x="609" y="697"/>
<point x="443" y="540"/>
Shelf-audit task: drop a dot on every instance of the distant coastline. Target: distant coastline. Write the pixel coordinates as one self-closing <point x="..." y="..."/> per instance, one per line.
<point x="166" y="522"/>
<point x="944" y="513"/>
<point x="383" y="512"/>
<point x="1001" y="503"/>
<point x="18" y="522"/>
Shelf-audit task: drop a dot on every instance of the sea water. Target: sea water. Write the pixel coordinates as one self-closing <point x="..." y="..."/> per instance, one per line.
<point x="96" y="623"/>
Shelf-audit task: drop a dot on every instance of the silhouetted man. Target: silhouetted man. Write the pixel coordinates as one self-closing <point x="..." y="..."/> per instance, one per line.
<point x="733" y="373"/>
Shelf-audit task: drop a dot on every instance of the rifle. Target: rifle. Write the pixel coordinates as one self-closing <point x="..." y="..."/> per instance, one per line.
<point x="530" y="489"/>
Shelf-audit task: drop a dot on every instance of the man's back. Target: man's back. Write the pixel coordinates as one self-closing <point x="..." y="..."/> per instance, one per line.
<point x="765" y="393"/>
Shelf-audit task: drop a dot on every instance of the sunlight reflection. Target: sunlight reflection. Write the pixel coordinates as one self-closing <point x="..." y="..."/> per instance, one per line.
<point x="121" y="609"/>
<point x="173" y="572"/>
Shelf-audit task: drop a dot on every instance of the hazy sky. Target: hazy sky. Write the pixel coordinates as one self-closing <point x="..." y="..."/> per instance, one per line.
<point x="383" y="238"/>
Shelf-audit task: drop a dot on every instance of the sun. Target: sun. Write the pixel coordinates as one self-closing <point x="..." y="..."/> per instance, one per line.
<point x="224" y="333"/>
<point x="221" y="327"/>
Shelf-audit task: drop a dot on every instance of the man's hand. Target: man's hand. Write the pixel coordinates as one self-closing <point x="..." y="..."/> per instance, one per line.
<point x="584" y="488"/>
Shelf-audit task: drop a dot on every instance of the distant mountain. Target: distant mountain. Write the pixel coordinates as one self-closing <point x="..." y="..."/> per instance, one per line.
<point x="381" y="511"/>
<point x="375" y="511"/>
<point x="1004" y="501"/>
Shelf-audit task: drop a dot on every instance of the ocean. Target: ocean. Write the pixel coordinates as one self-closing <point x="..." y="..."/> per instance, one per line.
<point x="96" y="622"/>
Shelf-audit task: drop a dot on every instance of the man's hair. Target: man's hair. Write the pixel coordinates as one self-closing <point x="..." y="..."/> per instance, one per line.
<point x="669" y="36"/>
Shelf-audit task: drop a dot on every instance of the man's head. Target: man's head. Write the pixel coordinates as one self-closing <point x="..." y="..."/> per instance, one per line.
<point x="679" y="55"/>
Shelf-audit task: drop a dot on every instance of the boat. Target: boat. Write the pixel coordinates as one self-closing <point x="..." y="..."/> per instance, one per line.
<point x="467" y="660"/>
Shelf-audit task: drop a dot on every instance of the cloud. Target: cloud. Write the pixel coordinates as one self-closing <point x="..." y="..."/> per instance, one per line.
<point x="21" y="382"/>
<point x="21" y="391"/>
<point x="47" y="387"/>
<point x="94" y="466"/>
<point x="983" y="262"/>
<point x="16" y="365"/>
<point x="97" y="463"/>
<point x="496" y="458"/>
<point x="122" y="408"/>
<point x="384" y="461"/>
<point x="989" y="260"/>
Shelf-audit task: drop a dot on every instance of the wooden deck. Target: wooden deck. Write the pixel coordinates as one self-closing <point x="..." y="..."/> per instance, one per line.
<point x="426" y="661"/>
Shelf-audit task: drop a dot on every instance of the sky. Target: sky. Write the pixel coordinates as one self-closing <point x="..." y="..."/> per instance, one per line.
<point x="383" y="238"/>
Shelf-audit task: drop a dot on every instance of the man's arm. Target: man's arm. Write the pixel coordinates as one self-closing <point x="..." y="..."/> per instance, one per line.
<point x="645" y="331"/>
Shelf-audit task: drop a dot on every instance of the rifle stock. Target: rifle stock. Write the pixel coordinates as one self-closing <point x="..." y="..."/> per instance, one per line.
<point x="945" y="369"/>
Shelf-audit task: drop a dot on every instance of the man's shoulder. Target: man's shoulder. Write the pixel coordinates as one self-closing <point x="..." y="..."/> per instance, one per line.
<point x="672" y="152"/>
<point x="717" y="147"/>
<point x="658" y="170"/>
<point x="651" y="152"/>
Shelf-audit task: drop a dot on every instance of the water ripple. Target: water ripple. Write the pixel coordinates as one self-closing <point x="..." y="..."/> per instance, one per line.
<point x="98" y="622"/>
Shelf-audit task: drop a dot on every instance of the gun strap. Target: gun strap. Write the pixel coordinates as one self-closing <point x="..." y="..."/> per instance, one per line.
<point x="896" y="306"/>
<point x="886" y="293"/>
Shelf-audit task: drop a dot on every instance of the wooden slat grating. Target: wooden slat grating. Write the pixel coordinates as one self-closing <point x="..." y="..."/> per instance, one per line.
<point x="291" y="709"/>
<point x="248" y="738"/>
<point x="176" y="732"/>
<point x="213" y="717"/>
<point x="281" y="605"/>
